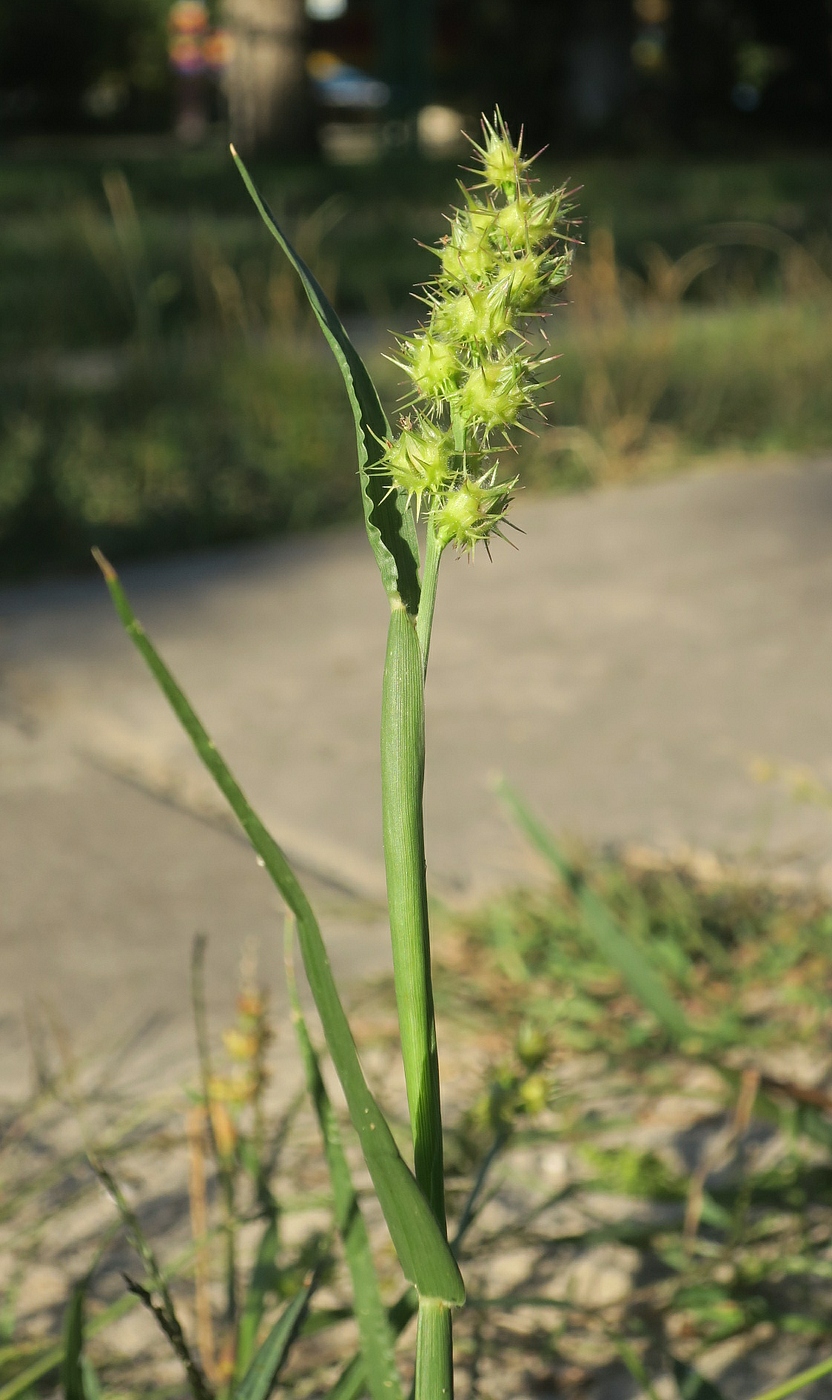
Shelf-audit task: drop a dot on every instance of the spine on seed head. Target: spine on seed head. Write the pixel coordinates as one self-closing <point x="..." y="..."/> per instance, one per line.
<point x="473" y="376"/>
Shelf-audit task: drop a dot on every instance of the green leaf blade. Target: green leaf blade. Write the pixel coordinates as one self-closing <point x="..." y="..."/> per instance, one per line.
<point x="692" y="1385"/>
<point x="260" y="1378"/>
<point x="624" y="955"/>
<point x="374" y="1330"/>
<point x="260" y="1285"/>
<point x="351" y="1384"/>
<point x="423" y="1252"/>
<point x="803" y="1378"/>
<point x="72" y="1372"/>
<point x="389" y="521"/>
<point x="614" y="945"/>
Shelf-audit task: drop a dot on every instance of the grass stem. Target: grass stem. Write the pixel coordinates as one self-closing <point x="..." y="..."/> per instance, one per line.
<point x="402" y="775"/>
<point x="434" y="1352"/>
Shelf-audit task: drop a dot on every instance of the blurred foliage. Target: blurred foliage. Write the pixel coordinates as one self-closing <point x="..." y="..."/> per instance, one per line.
<point x="597" y="74"/>
<point x="59" y="254"/>
<point x="734" y="1223"/>
<point x="177" y="452"/>
<point x="160" y="386"/>
<point x="646" y="76"/>
<point x="744" y="958"/>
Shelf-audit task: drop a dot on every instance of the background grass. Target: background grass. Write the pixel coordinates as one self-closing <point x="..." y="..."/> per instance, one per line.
<point x="160" y="386"/>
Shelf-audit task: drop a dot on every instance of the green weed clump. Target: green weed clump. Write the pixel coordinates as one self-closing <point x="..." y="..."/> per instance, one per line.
<point x="664" y="983"/>
<point x="177" y="452"/>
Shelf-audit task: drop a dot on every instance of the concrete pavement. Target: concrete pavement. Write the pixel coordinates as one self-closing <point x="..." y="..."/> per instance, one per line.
<point x="621" y="668"/>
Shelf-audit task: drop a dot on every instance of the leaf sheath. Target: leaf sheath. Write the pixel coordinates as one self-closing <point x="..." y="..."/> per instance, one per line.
<point x="402" y="778"/>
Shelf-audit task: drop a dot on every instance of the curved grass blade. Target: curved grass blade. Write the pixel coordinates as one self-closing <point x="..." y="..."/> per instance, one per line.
<point x="374" y="1329"/>
<point x="612" y="943"/>
<point x="692" y="1385"/>
<point x="259" y="1380"/>
<point x="423" y="1252"/>
<point x="350" y="1385"/>
<point x="803" y="1378"/>
<point x="352" y="1382"/>
<point x="92" y="1389"/>
<point x="72" y="1370"/>
<point x="389" y="521"/>
<point x="260" y="1285"/>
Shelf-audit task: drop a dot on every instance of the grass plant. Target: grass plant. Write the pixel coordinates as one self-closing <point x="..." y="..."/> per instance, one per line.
<point x="473" y="378"/>
<point x="623" y="974"/>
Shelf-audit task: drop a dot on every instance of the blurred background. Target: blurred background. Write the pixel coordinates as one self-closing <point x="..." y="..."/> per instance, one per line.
<point x="159" y="385"/>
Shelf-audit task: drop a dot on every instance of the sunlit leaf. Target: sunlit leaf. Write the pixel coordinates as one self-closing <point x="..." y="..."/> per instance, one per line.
<point x="423" y="1252"/>
<point x="389" y="521"/>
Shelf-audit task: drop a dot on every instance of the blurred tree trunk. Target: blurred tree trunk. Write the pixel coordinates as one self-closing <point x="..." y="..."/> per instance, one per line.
<point x="265" y="83"/>
<point x="406" y="51"/>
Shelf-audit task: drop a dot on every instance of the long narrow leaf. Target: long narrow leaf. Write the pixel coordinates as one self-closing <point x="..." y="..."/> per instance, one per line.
<point x="389" y="521"/>
<point x="352" y="1382"/>
<point x="260" y="1285"/>
<point x="374" y="1328"/>
<point x="423" y="1252"/>
<point x="693" y="1386"/>
<point x="259" y="1380"/>
<point x="612" y="942"/>
<point x="803" y="1378"/>
<point x="72" y="1375"/>
<point x="89" y="1376"/>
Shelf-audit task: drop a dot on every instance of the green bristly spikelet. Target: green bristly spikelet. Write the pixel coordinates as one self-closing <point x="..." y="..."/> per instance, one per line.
<point x="473" y="510"/>
<point x="421" y="458"/>
<point x="473" y="378"/>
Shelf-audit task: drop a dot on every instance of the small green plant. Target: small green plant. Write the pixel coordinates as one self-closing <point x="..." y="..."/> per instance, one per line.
<point x="473" y="379"/>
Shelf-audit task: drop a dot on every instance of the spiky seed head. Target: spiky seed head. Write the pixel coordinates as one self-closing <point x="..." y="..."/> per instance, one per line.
<point x="501" y="161"/>
<point x="531" y="1045"/>
<point x="530" y="220"/>
<point x="558" y="270"/>
<point x="419" y="460"/>
<point x="467" y="262"/>
<point x="478" y="218"/>
<point x="526" y="280"/>
<point x="503" y="252"/>
<point x="433" y="365"/>
<point x="535" y="1093"/>
<point x="479" y="316"/>
<point x="472" y="511"/>
<point x="494" y="395"/>
<point x="469" y="255"/>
